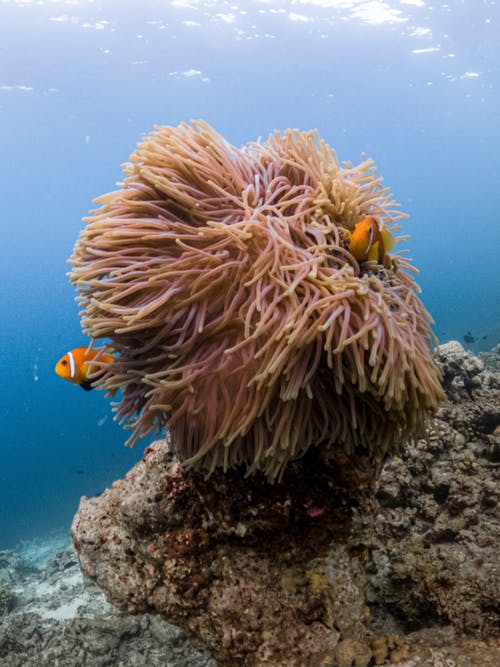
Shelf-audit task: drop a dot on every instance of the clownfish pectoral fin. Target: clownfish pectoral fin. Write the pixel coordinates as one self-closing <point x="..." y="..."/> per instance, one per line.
<point x="87" y="385"/>
<point x="374" y="252"/>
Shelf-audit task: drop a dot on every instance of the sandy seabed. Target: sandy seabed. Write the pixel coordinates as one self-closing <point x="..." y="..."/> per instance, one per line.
<point x="50" y="614"/>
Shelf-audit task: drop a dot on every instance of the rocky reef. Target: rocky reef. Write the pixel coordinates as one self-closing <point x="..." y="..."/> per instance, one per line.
<point x="329" y="567"/>
<point x="491" y="358"/>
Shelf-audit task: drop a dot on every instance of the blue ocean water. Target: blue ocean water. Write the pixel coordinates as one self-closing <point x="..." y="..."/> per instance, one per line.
<point x="414" y="84"/>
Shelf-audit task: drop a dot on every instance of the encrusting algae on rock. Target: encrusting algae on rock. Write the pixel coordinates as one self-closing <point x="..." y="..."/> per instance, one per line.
<point x="242" y="322"/>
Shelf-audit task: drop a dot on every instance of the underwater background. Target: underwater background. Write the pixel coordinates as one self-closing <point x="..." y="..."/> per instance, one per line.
<point x="413" y="84"/>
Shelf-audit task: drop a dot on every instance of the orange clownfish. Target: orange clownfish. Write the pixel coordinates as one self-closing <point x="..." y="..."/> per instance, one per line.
<point x="369" y="242"/>
<point x="75" y="366"/>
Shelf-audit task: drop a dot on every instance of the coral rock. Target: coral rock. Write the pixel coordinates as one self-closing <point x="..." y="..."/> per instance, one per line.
<point x="315" y="570"/>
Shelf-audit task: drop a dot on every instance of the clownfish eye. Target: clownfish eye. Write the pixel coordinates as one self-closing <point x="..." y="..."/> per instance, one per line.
<point x="64" y="362"/>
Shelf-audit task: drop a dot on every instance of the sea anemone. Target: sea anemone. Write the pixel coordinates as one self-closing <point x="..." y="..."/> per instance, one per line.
<point x="241" y="322"/>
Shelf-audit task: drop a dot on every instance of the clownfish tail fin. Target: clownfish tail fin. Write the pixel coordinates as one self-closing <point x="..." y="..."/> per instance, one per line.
<point x="388" y="240"/>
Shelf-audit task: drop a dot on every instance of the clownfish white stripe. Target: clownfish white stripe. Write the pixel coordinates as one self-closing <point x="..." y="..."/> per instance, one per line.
<point x="370" y="240"/>
<point x="72" y="367"/>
